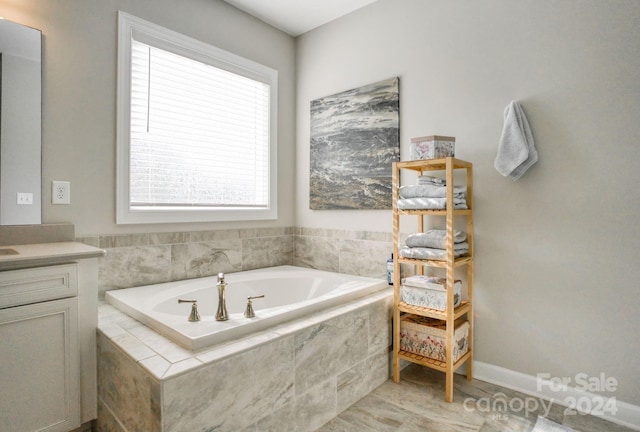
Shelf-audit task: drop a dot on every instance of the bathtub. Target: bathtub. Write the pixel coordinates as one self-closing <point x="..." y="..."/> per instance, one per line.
<point x="290" y="292"/>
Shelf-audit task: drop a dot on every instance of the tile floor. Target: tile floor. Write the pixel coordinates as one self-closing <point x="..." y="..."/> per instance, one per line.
<point x="417" y="404"/>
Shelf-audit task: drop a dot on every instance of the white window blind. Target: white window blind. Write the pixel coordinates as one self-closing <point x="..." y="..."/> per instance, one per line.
<point x="199" y="134"/>
<point x="196" y="130"/>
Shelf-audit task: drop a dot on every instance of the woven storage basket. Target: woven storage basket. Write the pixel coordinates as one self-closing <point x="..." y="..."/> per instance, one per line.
<point x="427" y="337"/>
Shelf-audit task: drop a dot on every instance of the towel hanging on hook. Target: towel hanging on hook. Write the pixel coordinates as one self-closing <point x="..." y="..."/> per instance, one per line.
<point x="516" y="149"/>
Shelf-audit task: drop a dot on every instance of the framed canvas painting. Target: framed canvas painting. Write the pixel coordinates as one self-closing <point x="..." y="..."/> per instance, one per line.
<point x="355" y="136"/>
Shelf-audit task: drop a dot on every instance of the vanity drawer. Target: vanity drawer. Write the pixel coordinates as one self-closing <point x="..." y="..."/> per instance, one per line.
<point x="20" y="287"/>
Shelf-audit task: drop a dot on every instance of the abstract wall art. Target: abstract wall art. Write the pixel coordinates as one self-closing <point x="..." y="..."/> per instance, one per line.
<point x="355" y="136"/>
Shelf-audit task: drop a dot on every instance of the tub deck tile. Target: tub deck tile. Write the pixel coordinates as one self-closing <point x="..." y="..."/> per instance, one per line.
<point x="181" y="367"/>
<point x="134" y="347"/>
<point x="156" y="365"/>
<point x="112" y="330"/>
<point x="170" y="351"/>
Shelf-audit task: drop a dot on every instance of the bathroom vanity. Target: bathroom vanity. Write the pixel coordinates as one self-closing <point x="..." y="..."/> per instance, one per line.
<point x="48" y="320"/>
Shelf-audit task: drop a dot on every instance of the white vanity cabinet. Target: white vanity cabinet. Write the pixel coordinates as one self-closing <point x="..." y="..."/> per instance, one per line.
<point x="48" y="319"/>
<point x="40" y="371"/>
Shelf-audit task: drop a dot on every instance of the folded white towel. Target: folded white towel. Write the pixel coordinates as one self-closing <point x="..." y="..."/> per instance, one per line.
<point x="431" y="253"/>
<point x="430" y="191"/>
<point x="431" y="180"/>
<point x="431" y="282"/>
<point x="434" y="238"/>
<point x="430" y="203"/>
<point x="516" y="149"/>
<point x="456" y="247"/>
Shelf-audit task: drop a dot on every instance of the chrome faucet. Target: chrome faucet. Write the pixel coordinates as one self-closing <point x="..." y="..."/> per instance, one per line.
<point x="222" y="314"/>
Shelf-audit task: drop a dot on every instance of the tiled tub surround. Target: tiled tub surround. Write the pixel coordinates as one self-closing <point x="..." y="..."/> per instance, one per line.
<point x="362" y="253"/>
<point x="293" y="377"/>
<point x="144" y="259"/>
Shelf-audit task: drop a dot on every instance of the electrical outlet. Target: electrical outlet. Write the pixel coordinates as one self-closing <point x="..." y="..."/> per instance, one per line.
<point x="60" y="192"/>
<point x="25" y="198"/>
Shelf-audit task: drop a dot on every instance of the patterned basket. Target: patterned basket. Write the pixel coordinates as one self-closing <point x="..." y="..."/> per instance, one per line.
<point x="432" y="147"/>
<point x="430" y="297"/>
<point x="427" y="337"/>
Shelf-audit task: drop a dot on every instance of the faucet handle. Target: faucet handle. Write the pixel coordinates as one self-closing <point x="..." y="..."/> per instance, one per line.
<point x="220" y="277"/>
<point x="194" y="315"/>
<point x="249" y="312"/>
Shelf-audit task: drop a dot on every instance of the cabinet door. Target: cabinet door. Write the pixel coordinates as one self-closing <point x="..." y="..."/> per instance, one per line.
<point x="39" y="367"/>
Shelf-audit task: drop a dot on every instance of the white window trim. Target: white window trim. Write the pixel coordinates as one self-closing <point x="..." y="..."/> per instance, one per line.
<point x="178" y="43"/>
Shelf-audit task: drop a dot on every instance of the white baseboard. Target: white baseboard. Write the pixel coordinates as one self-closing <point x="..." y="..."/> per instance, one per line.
<point x="610" y="409"/>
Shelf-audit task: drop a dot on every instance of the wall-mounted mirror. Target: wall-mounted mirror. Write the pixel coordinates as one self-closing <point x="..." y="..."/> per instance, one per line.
<point x="20" y="124"/>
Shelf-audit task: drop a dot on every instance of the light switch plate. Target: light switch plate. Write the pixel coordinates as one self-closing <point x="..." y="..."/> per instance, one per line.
<point x="25" y="198"/>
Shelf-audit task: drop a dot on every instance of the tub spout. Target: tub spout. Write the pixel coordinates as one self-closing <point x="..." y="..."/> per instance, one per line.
<point x="221" y="314"/>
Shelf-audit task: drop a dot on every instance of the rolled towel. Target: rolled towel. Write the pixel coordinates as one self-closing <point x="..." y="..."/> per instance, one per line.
<point x="516" y="149"/>
<point x="430" y="203"/>
<point x="430" y="191"/>
<point x="434" y="238"/>
<point x="431" y="253"/>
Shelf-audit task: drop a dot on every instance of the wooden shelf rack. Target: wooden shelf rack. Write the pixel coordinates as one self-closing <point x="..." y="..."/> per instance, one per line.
<point x="449" y="166"/>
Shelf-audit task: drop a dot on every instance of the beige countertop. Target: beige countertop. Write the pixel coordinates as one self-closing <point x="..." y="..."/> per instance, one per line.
<point x="32" y="255"/>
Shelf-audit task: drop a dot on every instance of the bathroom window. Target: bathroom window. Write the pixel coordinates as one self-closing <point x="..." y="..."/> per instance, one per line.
<point x="196" y="130"/>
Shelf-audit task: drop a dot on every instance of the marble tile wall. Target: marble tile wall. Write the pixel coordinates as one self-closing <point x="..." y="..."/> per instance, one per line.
<point x="149" y="258"/>
<point x="295" y="377"/>
<point x="362" y="253"/>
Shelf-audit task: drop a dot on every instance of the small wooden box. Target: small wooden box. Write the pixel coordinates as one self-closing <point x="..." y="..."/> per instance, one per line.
<point x="427" y="337"/>
<point x="432" y="147"/>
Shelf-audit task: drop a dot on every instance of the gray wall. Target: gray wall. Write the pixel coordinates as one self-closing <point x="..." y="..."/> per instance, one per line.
<point x="557" y="251"/>
<point x="79" y="96"/>
<point x="19" y="139"/>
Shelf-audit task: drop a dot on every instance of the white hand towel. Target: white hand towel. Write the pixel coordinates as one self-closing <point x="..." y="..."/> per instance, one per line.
<point x="516" y="149"/>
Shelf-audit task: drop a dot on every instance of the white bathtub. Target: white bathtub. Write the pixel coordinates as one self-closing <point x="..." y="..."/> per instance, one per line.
<point x="290" y="293"/>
